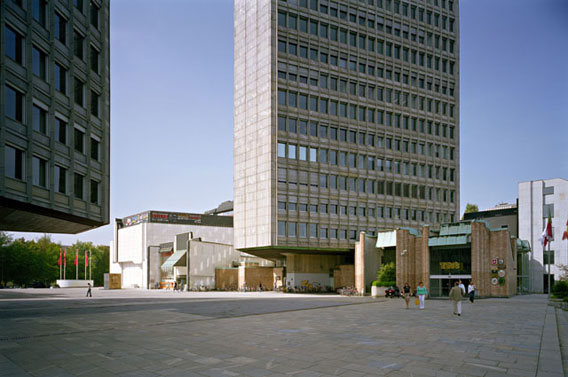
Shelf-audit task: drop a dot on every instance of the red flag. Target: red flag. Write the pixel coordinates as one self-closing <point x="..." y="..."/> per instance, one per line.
<point x="59" y="262"/>
<point x="76" y="257"/>
<point x="546" y="236"/>
<point x="64" y="258"/>
<point x="86" y="259"/>
<point x="565" y="235"/>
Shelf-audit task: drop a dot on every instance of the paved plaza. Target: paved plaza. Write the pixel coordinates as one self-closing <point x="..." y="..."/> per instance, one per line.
<point x="59" y="332"/>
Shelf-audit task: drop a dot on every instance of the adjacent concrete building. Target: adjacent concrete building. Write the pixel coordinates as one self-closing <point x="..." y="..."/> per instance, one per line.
<point x="141" y="240"/>
<point x="55" y="115"/>
<point x="503" y="215"/>
<point x="346" y="119"/>
<point x="537" y="200"/>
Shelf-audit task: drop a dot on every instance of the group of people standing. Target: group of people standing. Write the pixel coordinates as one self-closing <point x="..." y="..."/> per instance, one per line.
<point x="457" y="292"/>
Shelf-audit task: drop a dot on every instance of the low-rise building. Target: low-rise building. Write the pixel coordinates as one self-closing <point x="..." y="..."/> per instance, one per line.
<point x="466" y="250"/>
<point x="135" y="251"/>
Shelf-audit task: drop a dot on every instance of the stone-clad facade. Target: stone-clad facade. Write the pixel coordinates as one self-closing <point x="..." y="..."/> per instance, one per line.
<point x="346" y="119"/>
<point x="55" y="115"/>
<point x="471" y="251"/>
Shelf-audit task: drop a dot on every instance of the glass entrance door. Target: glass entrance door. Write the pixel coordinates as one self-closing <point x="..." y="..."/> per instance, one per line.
<point x="440" y="285"/>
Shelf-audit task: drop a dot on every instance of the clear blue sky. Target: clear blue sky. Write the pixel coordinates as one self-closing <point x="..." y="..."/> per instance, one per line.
<point x="172" y="103"/>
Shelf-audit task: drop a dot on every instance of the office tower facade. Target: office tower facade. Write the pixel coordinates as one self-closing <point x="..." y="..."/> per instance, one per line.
<point x="346" y="119"/>
<point x="55" y="114"/>
<point x="538" y="200"/>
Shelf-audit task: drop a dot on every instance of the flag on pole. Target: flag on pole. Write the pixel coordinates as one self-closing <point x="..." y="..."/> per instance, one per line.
<point x="546" y="236"/>
<point x="64" y="257"/>
<point x="59" y="262"/>
<point x="76" y="257"/>
<point x="565" y="235"/>
<point x="86" y="259"/>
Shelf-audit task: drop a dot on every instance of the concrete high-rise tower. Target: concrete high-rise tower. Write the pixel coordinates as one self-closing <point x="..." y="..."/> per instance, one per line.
<point x="55" y="115"/>
<point x="346" y="119"/>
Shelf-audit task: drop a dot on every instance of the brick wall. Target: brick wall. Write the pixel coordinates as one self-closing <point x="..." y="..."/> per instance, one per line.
<point x="226" y="278"/>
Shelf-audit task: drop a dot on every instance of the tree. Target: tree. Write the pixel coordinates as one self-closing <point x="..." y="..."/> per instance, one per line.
<point x="470" y="208"/>
<point x="24" y="262"/>
<point x="386" y="276"/>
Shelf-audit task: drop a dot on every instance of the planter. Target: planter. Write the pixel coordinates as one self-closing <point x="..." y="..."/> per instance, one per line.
<point x="378" y="291"/>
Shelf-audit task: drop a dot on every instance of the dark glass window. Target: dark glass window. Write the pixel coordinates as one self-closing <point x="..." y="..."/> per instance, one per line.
<point x="14" y="105"/>
<point x="60" y="28"/>
<point x="14" y="162"/>
<point x="60" y="131"/>
<point x="39" y="119"/>
<point x="14" y="43"/>
<point x="39" y="60"/>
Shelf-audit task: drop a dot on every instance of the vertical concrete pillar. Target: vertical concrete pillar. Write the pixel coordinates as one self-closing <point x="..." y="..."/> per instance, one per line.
<point x="360" y="264"/>
<point x="423" y="259"/>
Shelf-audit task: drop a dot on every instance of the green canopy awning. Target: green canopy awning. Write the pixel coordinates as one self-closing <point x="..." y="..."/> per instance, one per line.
<point x="523" y="246"/>
<point x="455" y="229"/>
<point x="449" y="241"/>
<point x="176" y="259"/>
<point x="386" y="239"/>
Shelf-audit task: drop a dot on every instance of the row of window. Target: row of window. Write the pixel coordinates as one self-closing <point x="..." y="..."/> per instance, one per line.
<point x="358" y="210"/>
<point x="14" y="51"/>
<point x="364" y="162"/>
<point x="15" y="103"/>
<point x="294" y="229"/>
<point x="15" y="168"/>
<point x="39" y="13"/>
<point x="334" y="157"/>
<point x="336" y="33"/>
<point x="359" y="64"/>
<point x="402" y="8"/>
<point x="14" y="109"/>
<point x="334" y="133"/>
<point x="293" y="177"/>
<point x="291" y="72"/>
<point x="324" y="105"/>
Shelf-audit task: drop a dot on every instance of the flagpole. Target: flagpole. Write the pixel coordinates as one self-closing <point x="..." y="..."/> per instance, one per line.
<point x="60" y="263"/>
<point x="549" y="287"/>
<point x="85" y="277"/>
<point x="64" y="263"/>
<point x="77" y="265"/>
<point x="90" y="265"/>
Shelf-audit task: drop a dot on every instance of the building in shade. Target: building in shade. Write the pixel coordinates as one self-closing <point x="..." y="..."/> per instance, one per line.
<point x="502" y="216"/>
<point x="346" y="119"/>
<point x="537" y="200"/>
<point x="55" y="115"/>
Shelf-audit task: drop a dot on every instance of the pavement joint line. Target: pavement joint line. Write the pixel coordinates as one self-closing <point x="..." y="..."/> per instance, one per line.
<point x="556" y="341"/>
<point x="335" y="305"/>
<point x="559" y="337"/>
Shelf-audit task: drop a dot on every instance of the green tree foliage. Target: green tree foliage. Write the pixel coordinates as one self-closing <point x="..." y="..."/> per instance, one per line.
<point x="470" y="208"/>
<point x="386" y="276"/>
<point x="24" y="262"/>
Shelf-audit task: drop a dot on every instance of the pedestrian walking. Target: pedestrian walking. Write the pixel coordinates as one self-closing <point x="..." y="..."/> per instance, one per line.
<point x="456" y="298"/>
<point x="89" y="294"/>
<point x="406" y="294"/>
<point x="259" y="287"/>
<point x="462" y="287"/>
<point x="421" y="291"/>
<point x="245" y="287"/>
<point x="471" y="291"/>
<point x="175" y="286"/>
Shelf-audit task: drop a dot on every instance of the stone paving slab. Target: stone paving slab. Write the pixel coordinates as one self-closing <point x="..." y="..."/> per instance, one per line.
<point x="265" y="334"/>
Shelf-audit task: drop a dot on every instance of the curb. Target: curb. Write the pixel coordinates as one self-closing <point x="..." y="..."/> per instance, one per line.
<point x="550" y="357"/>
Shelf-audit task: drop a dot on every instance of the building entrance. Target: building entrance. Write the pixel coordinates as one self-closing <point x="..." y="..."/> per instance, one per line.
<point x="440" y="285"/>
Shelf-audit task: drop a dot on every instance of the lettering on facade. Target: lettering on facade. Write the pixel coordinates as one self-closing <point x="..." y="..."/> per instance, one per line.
<point x="451" y="265"/>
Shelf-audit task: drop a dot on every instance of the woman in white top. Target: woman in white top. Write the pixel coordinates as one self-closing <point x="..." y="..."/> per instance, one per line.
<point x="471" y="291"/>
